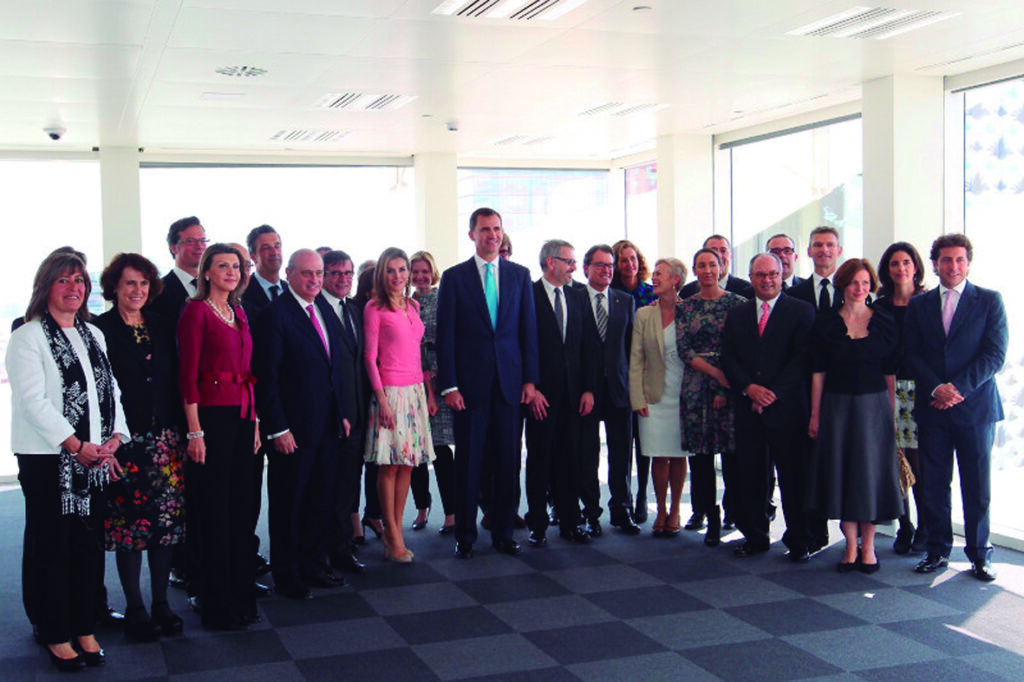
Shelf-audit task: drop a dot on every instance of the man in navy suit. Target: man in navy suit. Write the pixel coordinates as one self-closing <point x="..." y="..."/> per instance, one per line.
<point x="764" y="355"/>
<point x="736" y="285"/>
<point x="784" y="247"/>
<point x="612" y="314"/>
<point x="487" y="366"/>
<point x="265" y="248"/>
<point x="301" y="402"/>
<point x="955" y="339"/>
<point x="186" y="240"/>
<point x="818" y="290"/>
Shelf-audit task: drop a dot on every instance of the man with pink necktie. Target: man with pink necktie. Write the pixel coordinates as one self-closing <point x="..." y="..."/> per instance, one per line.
<point x="301" y="404"/>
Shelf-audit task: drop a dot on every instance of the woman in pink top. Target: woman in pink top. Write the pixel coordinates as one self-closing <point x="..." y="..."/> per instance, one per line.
<point x="399" y="435"/>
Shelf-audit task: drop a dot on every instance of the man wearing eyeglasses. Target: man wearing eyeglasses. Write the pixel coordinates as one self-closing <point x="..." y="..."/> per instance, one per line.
<point x="186" y="240"/>
<point x="783" y="247"/>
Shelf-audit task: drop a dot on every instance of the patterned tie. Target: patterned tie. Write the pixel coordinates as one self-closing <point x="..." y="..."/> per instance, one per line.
<point x="602" y="317"/>
<point x="491" y="294"/>
<point x="349" y="328"/>
<point x="559" y="317"/>
<point x="948" y="308"/>
<point x="319" y="329"/>
<point x="763" y="322"/>
<point x="275" y="292"/>
<point x="824" y="302"/>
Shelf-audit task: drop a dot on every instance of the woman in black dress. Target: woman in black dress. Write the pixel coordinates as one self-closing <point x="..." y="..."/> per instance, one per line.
<point x="853" y="472"/>
<point x="145" y="509"/>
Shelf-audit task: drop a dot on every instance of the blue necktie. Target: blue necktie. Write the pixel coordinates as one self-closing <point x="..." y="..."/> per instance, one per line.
<point x="491" y="294"/>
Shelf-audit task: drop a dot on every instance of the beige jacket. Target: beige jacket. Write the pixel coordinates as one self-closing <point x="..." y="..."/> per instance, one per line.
<point x="647" y="358"/>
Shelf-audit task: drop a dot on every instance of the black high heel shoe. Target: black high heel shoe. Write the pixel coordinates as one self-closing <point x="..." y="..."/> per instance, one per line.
<point x="66" y="665"/>
<point x="93" y="659"/>
<point x="420" y="525"/>
<point x="368" y="523"/>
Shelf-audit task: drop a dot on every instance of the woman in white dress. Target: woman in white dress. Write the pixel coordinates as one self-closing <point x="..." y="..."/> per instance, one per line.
<point x="655" y="381"/>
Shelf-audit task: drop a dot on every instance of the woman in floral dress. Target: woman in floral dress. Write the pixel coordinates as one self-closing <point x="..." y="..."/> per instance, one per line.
<point x="145" y="509"/>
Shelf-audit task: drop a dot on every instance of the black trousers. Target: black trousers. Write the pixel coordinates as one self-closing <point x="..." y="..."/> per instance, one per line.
<point x="487" y="475"/>
<point x="348" y="474"/>
<point x="372" y="508"/>
<point x="494" y="422"/>
<point x="618" y="428"/>
<point x="222" y="498"/>
<point x="552" y="445"/>
<point x="302" y="500"/>
<point x="643" y="462"/>
<point x="62" y="554"/>
<point x="444" y="473"/>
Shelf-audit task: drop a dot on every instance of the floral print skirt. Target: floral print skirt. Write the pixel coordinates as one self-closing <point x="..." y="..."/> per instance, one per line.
<point x="409" y="443"/>
<point x="906" y="427"/>
<point x="146" y="507"/>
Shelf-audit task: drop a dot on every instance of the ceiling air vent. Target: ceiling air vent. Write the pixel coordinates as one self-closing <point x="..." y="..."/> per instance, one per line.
<point x="308" y="135"/>
<point x="878" y="23"/>
<point x="241" y="71"/>
<point x="621" y="108"/>
<point x="516" y="10"/>
<point x="361" y="101"/>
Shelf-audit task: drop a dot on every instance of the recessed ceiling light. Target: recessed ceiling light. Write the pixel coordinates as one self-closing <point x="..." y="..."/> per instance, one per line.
<point x="241" y="71"/>
<point x="548" y="10"/>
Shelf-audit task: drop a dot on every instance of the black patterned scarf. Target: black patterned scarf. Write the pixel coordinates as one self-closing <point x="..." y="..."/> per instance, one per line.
<point x="77" y="480"/>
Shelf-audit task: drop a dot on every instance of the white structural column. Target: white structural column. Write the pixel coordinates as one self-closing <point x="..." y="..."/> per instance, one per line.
<point x="903" y="162"/>
<point x="685" y="195"/>
<point x="119" y="188"/>
<point x="437" y="206"/>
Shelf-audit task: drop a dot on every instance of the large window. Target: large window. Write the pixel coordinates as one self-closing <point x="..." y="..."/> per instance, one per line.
<point x="537" y="205"/>
<point x="993" y="203"/>
<point x="792" y="182"/>
<point x="48" y="204"/>
<point x="361" y="210"/>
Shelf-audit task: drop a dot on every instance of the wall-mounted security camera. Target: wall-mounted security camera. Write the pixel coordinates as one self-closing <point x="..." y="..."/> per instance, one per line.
<point x="452" y="126"/>
<point x="55" y="132"/>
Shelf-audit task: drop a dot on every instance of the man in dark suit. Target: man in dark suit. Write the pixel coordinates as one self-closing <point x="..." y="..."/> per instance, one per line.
<point x="736" y="285"/>
<point x="824" y="249"/>
<point x="567" y="356"/>
<point x="301" y="402"/>
<point x="612" y="314"/>
<point x="784" y="247"/>
<point x="955" y="339"/>
<point x="339" y="273"/>
<point x="487" y="366"/>
<point x="265" y="248"/>
<point x="765" y="357"/>
<point x="186" y="240"/>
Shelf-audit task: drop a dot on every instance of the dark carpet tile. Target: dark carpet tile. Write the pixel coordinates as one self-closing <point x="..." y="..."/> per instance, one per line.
<point x="451" y="624"/>
<point x="646" y="601"/>
<point x="390" y="664"/>
<point x="863" y="647"/>
<point x="267" y="672"/>
<point x="483" y="656"/>
<point x="945" y="634"/>
<point x="666" y="665"/>
<point x="593" y="642"/>
<point x="552" y="559"/>
<point x="826" y="580"/>
<point x="394" y="575"/>
<point x="557" y="674"/>
<point x="325" y="607"/>
<point x="764" y="660"/>
<point x="793" y="616"/>
<point x="224" y="651"/>
<point x="946" y="669"/>
<point x="680" y="570"/>
<point x="367" y="635"/>
<point x="512" y="588"/>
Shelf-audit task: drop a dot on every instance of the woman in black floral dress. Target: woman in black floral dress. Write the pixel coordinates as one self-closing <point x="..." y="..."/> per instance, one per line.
<point x="145" y="509"/>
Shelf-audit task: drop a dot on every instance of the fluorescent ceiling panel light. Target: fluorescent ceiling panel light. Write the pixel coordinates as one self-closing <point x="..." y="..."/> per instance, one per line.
<point x="861" y="27"/>
<point x="828" y="21"/>
<point x="507" y="8"/>
<point x="561" y="9"/>
<point x="916" y="25"/>
<point x="448" y="7"/>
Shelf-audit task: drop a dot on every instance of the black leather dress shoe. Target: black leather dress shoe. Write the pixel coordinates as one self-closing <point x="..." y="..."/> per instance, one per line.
<point x="577" y="534"/>
<point x="261" y="591"/>
<point x="538" y="538"/>
<point x="695" y="522"/>
<point x="640" y="515"/>
<point x="295" y="590"/>
<point x="109" y="617"/>
<point x="904" y="539"/>
<point x="348" y="563"/>
<point x="931" y="563"/>
<point x="323" y="578"/>
<point x="983" y="571"/>
<point x="626" y="524"/>
<point x="463" y="550"/>
<point x="594" y="529"/>
<point x="507" y="546"/>
<point x="799" y="556"/>
<point x="747" y="550"/>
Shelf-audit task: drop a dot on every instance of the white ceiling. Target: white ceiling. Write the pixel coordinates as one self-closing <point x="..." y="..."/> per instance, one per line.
<point x="134" y="72"/>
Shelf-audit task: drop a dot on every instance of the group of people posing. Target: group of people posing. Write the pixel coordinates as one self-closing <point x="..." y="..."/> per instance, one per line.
<point x="156" y="417"/>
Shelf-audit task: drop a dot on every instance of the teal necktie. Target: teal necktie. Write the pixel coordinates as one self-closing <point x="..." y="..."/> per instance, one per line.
<point x="491" y="294"/>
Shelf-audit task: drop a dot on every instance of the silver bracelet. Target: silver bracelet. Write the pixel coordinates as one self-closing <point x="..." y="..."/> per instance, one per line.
<point x="192" y="435"/>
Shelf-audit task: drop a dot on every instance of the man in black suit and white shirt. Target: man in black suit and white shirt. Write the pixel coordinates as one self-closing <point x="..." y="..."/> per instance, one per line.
<point x="612" y="313"/>
<point x="265" y="248"/>
<point x="339" y="273"/>
<point x="186" y="240"/>
<point x="736" y="285"/>
<point x="765" y="357"/>
<point x="818" y="290"/>
<point x="784" y="247"/>
<point x="302" y="409"/>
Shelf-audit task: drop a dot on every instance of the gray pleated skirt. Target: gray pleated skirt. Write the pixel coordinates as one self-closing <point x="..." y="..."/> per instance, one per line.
<point x="853" y="474"/>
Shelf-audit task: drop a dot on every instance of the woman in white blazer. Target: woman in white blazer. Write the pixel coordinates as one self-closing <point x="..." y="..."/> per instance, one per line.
<point x="67" y="425"/>
<point x="655" y="379"/>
